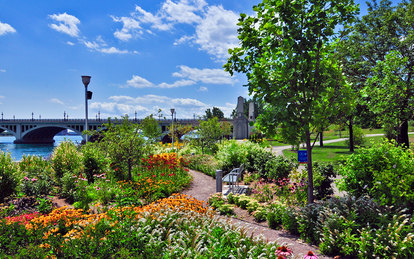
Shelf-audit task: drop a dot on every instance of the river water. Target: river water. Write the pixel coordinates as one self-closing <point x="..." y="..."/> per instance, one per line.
<point x="18" y="150"/>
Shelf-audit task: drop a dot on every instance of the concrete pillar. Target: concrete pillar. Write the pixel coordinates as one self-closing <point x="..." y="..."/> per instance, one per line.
<point x="219" y="181"/>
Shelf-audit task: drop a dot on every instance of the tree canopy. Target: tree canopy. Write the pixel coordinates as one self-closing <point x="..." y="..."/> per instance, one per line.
<point x="287" y="52"/>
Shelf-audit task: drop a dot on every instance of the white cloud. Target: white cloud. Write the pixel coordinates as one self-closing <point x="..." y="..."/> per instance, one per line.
<point x="1" y="97"/>
<point x="113" y="50"/>
<point x="215" y="28"/>
<point x="148" y="104"/>
<point x="100" y="45"/>
<point x="6" y="28"/>
<point x="56" y="100"/>
<point x="67" y="24"/>
<point x="139" y="82"/>
<point x="130" y="28"/>
<point x="176" y="84"/>
<point x="206" y="75"/>
<point x="184" y="11"/>
<point x="203" y="89"/>
<point x="70" y="43"/>
<point x="217" y="32"/>
<point x="156" y="21"/>
<point x="3" y="70"/>
<point x="183" y="40"/>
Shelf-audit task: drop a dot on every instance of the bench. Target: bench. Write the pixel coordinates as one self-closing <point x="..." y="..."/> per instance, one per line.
<point x="233" y="178"/>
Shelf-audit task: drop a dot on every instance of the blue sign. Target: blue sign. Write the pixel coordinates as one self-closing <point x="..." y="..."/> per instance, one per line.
<point x="302" y="156"/>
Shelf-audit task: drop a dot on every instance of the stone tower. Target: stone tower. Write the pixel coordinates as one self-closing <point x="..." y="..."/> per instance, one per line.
<point x="240" y="122"/>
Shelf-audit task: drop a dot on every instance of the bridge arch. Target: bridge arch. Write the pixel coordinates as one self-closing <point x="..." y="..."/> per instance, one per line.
<point x="8" y="130"/>
<point x="43" y="134"/>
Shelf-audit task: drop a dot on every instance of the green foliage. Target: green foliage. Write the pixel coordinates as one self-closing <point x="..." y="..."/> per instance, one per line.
<point x="358" y="137"/>
<point x="94" y="161"/>
<point x="209" y="133"/>
<point x="124" y="145"/>
<point x="68" y="186"/>
<point x="8" y="175"/>
<point x="44" y="205"/>
<point x="383" y="171"/>
<point x="151" y="128"/>
<point x="37" y="176"/>
<point x="279" y="167"/>
<point x="260" y="214"/>
<point x="231" y="155"/>
<point x="323" y="180"/>
<point x="206" y="164"/>
<point x="66" y="159"/>
<point x="216" y="112"/>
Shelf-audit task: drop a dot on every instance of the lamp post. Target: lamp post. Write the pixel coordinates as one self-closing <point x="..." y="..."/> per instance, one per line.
<point x="172" y="126"/>
<point x="86" y="80"/>
<point x="135" y="115"/>
<point x="1" y="115"/>
<point x="32" y="115"/>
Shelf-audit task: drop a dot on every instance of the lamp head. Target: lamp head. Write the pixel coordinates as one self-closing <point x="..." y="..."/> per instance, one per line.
<point x="86" y="80"/>
<point x="172" y="111"/>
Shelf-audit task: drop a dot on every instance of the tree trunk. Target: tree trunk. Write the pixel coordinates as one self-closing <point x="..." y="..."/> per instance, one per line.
<point x="351" y="135"/>
<point x="321" y="138"/>
<point x="310" y="172"/>
<point x="402" y="138"/>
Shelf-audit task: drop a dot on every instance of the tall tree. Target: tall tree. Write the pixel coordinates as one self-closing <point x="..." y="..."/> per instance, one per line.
<point x="215" y="112"/>
<point x="384" y="29"/>
<point x="287" y="57"/>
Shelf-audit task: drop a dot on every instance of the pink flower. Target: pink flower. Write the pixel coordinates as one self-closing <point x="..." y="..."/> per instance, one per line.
<point x="34" y="179"/>
<point x="26" y="178"/>
<point x="283" y="251"/>
<point x="310" y="255"/>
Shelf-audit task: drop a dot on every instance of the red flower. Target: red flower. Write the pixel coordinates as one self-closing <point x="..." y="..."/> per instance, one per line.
<point x="154" y="175"/>
<point x="162" y="174"/>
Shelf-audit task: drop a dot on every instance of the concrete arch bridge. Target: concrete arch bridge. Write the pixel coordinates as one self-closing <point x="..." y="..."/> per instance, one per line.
<point x="42" y="131"/>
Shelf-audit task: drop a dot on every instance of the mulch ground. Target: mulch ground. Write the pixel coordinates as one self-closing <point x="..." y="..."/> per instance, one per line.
<point x="203" y="186"/>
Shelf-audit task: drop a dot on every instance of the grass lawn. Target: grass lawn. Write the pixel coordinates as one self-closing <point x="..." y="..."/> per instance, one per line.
<point x="334" y="152"/>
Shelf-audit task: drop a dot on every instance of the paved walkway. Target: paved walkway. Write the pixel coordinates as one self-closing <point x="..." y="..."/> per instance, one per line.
<point x="203" y="186"/>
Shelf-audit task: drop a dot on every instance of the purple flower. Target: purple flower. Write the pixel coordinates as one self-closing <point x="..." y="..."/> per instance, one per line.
<point x="310" y="255"/>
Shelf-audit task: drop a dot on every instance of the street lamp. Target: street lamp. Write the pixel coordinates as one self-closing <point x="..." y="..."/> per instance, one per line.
<point x="32" y="115"/>
<point x="1" y="115"/>
<point x="172" y="125"/>
<point x="88" y="95"/>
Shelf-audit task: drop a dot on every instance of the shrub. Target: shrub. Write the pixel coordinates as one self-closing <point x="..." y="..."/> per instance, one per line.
<point x="38" y="176"/>
<point x="260" y="214"/>
<point x="309" y="222"/>
<point x="94" y="161"/>
<point x="8" y="175"/>
<point x="274" y="215"/>
<point x="279" y="167"/>
<point x="206" y="164"/>
<point x="323" y="174"/>
<point x="231" y="155"/>
<point x="289" y="220"/>
<point x="383" y="171"/>
<point x="66" y="159"/>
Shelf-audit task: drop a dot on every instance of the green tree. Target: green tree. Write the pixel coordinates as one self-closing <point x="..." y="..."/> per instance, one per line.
<point x="123" y="143"/>
<point x="391" y="90"/>
<point x="288" y="59"/>
<point x="209" y="132"/>
<point x="151" y="128"/>
<point x="215" y="112"/>
<point x="384" y="29"/>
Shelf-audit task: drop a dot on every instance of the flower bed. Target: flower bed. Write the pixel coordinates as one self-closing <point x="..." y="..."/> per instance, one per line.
<point x="178" y="226"/>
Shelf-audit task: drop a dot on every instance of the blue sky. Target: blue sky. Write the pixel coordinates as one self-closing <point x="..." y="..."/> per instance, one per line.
<point x="143" y="55"/>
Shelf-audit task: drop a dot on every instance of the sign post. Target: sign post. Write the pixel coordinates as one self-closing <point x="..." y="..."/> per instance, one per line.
<point x="302" y="156"/>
